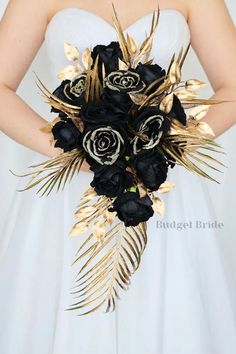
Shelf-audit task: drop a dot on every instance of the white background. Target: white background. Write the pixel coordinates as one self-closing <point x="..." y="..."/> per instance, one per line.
<point x="17" y="157"/>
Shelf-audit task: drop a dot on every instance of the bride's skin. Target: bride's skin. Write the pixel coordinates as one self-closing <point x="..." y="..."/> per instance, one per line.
<point x="22" y="29"/>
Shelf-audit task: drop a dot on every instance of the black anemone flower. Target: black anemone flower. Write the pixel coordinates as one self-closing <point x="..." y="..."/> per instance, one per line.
<point x="67" y="135"/>
<point x="131" y="209"/>
<point x="71" y="92"/>
<point x="105" y="144"/>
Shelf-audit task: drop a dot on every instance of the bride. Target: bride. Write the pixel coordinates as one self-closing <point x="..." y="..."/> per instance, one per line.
<point x="180" y="300"/>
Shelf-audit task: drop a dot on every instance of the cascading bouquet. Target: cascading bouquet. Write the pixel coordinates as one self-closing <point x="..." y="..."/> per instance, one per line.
<point x="125" y="116"/>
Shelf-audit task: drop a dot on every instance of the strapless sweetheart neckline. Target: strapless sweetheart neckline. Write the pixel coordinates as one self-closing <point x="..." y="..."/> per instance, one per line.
<point x="92" y="14"/>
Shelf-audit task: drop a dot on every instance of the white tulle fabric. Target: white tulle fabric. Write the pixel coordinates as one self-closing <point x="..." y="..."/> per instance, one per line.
<point x="181" y="299"/>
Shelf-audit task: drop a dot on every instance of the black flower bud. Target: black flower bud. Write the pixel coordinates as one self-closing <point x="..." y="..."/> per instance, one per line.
<point x="131" y="209"/>
<point x="67" y="135"/>
<point x="151" y="169"/>
<point x="150" y="73"/>
<point x="111" y="180"/>
<point x="109" y="55"/>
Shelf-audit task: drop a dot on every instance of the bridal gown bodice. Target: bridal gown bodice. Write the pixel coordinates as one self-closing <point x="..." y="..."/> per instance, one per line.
<point x="85" y="29"/>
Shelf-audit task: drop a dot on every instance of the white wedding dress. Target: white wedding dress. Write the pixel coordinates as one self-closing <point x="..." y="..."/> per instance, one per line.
<point x="181" y="300"/>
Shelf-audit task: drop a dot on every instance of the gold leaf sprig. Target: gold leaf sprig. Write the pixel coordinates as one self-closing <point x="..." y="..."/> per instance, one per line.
<point x="129" y="46"/>
<point x="55" y="101"/>
<point x="70" y="72"/>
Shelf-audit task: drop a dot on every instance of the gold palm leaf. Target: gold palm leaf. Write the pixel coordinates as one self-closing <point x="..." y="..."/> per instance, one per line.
<point x="54" y="172"/>
<point x="108" y="267"/>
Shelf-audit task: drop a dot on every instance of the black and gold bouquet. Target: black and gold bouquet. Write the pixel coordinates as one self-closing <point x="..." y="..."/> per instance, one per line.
<point x="125" y="116"/>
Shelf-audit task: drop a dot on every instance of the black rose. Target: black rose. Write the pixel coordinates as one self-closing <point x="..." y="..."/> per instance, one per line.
<point x="71" y="92"/>
<point x="151" y="169"/>
<point x="105" y="144"/>
<point x="120" y="99"/>
<point x="177" y="111"/>
<point x="150" y="124"/>
<point x="149" y="73"/>
<point x="109" y="55"/>
<point x="111" y="180"/>
<point x="132" y="209"/>
<point x="124" y="81"/>
<point x="101" y="112"/>
<point x="67" y="135"/>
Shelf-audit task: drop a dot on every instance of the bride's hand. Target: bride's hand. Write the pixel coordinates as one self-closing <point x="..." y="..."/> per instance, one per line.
<point x="85" y="167"/>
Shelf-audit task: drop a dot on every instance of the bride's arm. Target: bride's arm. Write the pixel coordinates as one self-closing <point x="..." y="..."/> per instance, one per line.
<point x="213" y="38"/>
<point x="22" y="32"/>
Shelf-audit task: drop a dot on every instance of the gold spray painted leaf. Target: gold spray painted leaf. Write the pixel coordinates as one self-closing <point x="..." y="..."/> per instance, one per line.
<point x="68" y="73"/>
<point x="79" y="228"/>
<point x="194" y="85"/>
<point x="167" y="103"/>
<point x="158" y="206"/>
<point x="86" y="57"/>
<point x="174" y="73"/>
<point x="132" y="44"/>
<point x="71" y="51"/>
<point x="185" y="94"/>
<point x="85" y="211"/>
<point x="142" y="190"/>
<point x="195" y="102"/>
<point x="103" y="72"/>
<point x="120" y="36"/>
<point x="99" y="231"/>
<point x="166" y="187"/>
<point x="109" y="216"/>
<point x="205" y="130"/>
<point x="146" y="46"/>
<point x="122" y="65"/>
<point x="199" y="112"/>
